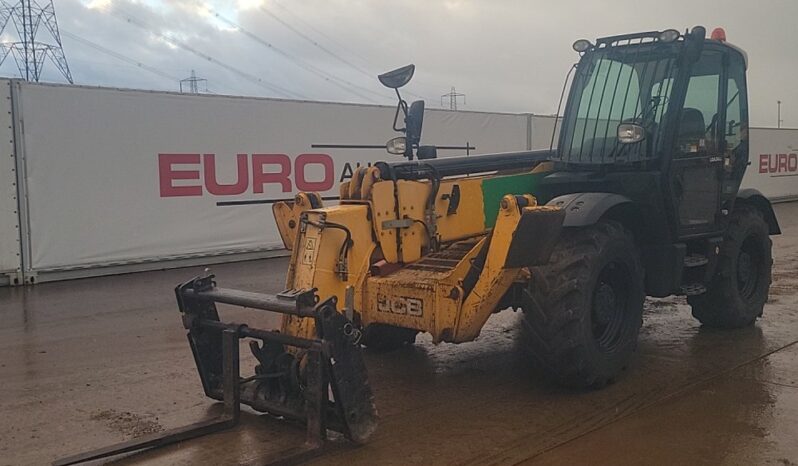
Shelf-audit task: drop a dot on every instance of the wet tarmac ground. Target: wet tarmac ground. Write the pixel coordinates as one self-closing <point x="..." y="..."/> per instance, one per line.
<point x="91" y="362"/>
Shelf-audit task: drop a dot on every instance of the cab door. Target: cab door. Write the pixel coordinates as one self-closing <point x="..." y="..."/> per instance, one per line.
<point x="697" y="164"/>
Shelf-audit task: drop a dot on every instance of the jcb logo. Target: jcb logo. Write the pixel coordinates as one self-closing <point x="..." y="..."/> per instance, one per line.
<point x="400" y="305"/>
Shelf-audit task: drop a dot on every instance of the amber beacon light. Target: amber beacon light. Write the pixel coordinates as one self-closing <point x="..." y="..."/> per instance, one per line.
<point x="718" y="34"/>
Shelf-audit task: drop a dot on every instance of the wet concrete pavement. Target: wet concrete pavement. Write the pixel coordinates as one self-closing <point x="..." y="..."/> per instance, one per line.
<point x="92" y="362"/>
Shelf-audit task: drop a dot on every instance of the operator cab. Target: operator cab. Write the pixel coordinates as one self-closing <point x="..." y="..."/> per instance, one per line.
<point x="664" y="102"/>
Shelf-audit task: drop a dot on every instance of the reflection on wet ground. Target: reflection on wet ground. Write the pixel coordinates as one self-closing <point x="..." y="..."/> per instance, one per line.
<point x="92" y="362"/>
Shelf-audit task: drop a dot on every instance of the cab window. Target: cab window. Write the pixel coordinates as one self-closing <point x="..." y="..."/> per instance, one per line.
<point x="698" y="124"/>
<point x="736" y="128"/>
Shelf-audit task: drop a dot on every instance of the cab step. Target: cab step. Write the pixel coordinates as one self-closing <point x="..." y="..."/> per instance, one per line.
<point x="695" y="260"/>
<point x="693" y="289"/>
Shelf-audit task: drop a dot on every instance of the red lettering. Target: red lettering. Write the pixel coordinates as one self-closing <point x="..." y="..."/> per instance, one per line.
<point x="167" y="174"/>
<point x="212" y="184"/>
<point x="259" y="177"/>
<point x="793" y="162"/>
<point x="314" y="172"/>
<point x="303" y="160"/>
<point x="782" y="163"/>
<point x="773" y="163"/>
<point x="763" y="163"/>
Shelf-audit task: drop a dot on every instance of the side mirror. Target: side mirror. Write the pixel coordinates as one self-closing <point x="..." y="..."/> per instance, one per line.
<point x="414" y="114"/>
<point x="398" y="77"/>
<point x="630" y="133"/>
<point x="397" y="145"/>
<point x="413" y="123"/>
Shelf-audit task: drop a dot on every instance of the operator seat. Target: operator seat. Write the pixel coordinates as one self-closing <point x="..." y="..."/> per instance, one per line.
<point x="692" y="130"/>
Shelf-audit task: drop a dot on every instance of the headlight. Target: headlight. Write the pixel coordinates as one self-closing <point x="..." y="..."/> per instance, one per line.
<point x="668" y="35"/>
<point x="582" y="45"/>
<point x="396" y="146"/>
<point x="630" y="133"/>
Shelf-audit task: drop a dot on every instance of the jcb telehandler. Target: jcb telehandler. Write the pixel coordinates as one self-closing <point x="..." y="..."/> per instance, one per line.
<point x="640" y="197"/>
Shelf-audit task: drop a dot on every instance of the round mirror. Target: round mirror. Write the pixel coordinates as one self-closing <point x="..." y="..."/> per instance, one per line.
<point x="630" y="133"/>
<point x="397" y="145"/>
<point x="398" y="77"/>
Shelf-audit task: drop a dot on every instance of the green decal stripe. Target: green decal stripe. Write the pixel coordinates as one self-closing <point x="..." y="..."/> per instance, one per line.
<point x="495" y="188"/>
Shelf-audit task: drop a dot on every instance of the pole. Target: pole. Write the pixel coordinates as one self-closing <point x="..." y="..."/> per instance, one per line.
<point x="32" y="42"/>
<point x="25" y="29"/>
<point x="778" y="121"/>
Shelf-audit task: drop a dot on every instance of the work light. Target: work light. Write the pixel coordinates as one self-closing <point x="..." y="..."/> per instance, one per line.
<point x="582" y="45"/>
<point x="668" y="35"/>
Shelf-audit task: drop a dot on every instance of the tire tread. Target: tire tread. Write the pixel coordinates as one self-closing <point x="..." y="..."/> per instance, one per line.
<point x="553" y="314"/>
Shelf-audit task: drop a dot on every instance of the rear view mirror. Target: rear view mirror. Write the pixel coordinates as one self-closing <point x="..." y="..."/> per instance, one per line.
<point x="398" y="77"/>
<point x="397" y="145"/>
<point x="413" y="123"/>
<point x="630" y="133"/>
<point x="413" y="115"/>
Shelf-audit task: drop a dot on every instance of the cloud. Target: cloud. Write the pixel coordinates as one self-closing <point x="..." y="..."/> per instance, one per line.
<point x="249" y="4"/>
<point x="98" y="4"/>
<point x="505" y="55"/>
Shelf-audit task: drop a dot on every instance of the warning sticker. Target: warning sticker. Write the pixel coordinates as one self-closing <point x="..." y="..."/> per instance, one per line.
<point x="310" y="248"/>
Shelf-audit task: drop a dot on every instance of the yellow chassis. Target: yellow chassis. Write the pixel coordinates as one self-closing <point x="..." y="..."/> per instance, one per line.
<point x="394" y="255"/>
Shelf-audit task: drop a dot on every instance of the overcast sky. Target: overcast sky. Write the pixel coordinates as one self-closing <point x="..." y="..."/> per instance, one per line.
<point x="504" y="55"/>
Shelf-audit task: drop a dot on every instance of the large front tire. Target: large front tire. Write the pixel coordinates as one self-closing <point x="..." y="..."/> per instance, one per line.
<point x="737" y="293"/>
<point x="583" y="310"/>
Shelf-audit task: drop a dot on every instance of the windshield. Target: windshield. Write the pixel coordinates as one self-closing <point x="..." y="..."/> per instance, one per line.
<point x="617" y="84"/>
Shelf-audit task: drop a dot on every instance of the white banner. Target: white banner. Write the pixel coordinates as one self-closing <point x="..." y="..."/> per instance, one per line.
<point x="774" y="163"/>
<point x="10" y="252"/>
<point x="121" y="176"/>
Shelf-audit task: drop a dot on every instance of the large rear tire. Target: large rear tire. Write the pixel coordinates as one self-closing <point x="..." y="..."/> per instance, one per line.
<point x="736" y="295"/>
<point x="583" y="310"/>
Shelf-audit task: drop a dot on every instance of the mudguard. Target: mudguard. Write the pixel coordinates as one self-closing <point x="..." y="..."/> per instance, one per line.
<point x="757" y="199"/>
<point x="584" y="209"/>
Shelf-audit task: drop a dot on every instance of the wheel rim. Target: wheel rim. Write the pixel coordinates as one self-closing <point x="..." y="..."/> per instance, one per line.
<point x="610" y="299"/>
<point x="749" y="264"/>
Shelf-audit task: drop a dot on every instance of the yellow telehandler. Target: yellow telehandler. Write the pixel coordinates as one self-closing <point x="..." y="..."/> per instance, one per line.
<point x="640" y="197"/>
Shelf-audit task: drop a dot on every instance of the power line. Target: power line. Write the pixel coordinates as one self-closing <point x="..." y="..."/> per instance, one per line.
<point x="118" y="56"/>
<point x="319" y="46"/>
<point x="299" y="19"/>
<point x="254" y="79"/>
<point x="315" y="43"/>
<point x="340" y="82"/>
<point x="124" y="58"/>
